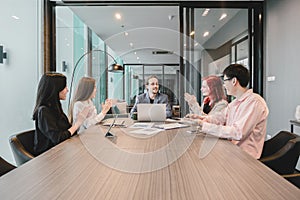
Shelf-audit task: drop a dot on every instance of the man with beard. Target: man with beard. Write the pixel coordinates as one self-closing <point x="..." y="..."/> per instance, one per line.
<point x="152" y="96"/>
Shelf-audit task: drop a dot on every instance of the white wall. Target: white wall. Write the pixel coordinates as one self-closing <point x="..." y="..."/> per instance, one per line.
<point x="283" y="62"/>
<point x="19" y="73"/>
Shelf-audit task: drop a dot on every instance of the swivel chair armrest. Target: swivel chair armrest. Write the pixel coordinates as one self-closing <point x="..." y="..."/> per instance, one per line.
<point x="19" y="150"/>
<point x="284" y="161"/>
<point x="291" y="175"/>
<point x="278" y="154"/>
<point x="276" y="143"/>
<point x="293" y="178"/>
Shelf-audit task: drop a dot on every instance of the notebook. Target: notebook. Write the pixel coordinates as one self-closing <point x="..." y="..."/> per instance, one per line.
<point x="151" y="112"/>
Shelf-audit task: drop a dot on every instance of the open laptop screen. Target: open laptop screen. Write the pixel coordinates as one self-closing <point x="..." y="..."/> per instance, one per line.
<point x="151" y="112"/>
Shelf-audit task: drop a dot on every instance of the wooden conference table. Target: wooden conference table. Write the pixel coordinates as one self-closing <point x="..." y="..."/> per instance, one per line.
<point x="131" y="166"/>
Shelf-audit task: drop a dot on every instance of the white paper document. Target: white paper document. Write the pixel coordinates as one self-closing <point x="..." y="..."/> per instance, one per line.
<point x="142" y="125"/>
<point x="118" y="122"/>
<point x="147" y="131"/>
<point x="171" y="126"/>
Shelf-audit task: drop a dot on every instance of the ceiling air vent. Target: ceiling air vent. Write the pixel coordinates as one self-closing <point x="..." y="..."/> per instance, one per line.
<point x="161" y="52"/>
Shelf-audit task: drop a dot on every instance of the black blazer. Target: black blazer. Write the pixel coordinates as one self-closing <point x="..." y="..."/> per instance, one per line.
<point x="51" y="128"/>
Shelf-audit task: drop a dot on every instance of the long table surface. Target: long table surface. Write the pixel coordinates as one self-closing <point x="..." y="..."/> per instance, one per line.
<point x="166" y="165"/>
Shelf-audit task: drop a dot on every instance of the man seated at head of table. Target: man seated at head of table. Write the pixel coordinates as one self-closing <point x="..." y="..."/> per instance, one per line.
<point x="152" y="96"/>
<point x="244" y="120"/>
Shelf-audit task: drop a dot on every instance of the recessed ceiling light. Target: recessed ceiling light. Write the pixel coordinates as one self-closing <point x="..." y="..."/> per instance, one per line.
<point x="15" y="17"/>
<point x="131" y="44"/>
<point x="137" y="58"/>
<point x="205" y="12"/>
<point x="135" y="52"/>
<point x="118" y="16"/>
<point x="192" y="33"/>
<point x="196" y="44"/>
<point x="224" y="15"/>
<point x="205" y="34"/>
<point x="125" y="33"/>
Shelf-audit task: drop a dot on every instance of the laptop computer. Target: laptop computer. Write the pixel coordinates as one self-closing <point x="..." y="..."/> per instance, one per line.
<point x="151" y="112"/>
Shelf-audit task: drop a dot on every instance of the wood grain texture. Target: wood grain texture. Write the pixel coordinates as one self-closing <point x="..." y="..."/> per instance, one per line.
<point x="71" y="171"/>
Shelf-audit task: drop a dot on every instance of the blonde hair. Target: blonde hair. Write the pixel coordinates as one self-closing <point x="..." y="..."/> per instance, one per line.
<point x="83" y="92"/>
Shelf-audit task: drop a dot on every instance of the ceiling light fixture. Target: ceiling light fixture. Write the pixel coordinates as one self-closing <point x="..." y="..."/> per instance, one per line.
<point x="15" y="17"/>
<point x="126" y="33"/>
<point x="161" y="52"/>
<point x="205" y="34"/>
<point x="118" y="16"/>
<point x="192" y="33"/>
<point x="224" y="15"/>
<point x="205" y="12"/>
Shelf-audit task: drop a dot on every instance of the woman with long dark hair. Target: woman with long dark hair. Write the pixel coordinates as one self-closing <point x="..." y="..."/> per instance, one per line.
<point x="51" y="123"/>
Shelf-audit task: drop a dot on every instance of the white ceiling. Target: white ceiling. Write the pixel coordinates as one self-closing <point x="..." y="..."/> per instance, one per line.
<point x="150" y="28"/>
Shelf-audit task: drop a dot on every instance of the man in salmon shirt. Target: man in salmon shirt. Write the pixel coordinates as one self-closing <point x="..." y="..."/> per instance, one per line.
<point x="244" y="120"/>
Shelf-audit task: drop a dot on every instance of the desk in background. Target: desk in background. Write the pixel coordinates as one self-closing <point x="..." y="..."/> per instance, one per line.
<point x="70" y="171"/>
<point x="294" y="123"/>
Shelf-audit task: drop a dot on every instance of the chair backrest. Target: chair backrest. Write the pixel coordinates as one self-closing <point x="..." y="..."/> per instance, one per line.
<point x="22" y="146"/>
<point x="285" y="160"/>
<point x="274" y="144"/>
<point x="5" y="166"/>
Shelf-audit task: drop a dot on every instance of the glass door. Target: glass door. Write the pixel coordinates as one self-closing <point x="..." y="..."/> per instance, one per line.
<point x="213" y="38"/>
<point x="135" y="76"/>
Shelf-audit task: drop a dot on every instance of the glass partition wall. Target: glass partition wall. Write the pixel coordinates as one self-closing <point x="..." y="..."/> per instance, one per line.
<point x="187" y="42"/>
<point x="167" y="75"/>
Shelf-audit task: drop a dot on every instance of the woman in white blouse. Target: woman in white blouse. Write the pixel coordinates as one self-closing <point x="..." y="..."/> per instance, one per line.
<point x="85" y="92"/>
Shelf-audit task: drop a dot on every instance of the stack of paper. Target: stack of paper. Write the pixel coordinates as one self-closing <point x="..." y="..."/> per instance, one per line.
<point x="171" y="126"/>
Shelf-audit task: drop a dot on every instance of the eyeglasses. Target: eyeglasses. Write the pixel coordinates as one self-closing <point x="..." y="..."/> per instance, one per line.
<point x="227" y="79"/>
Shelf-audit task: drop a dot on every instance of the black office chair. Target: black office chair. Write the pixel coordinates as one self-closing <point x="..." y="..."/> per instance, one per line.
<point x="22" y="146"/>
<point x="293" y="178"/>
<point x="5" y="166"/>
<point x="274" y="144"/>
<point x="285" y="160"/>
